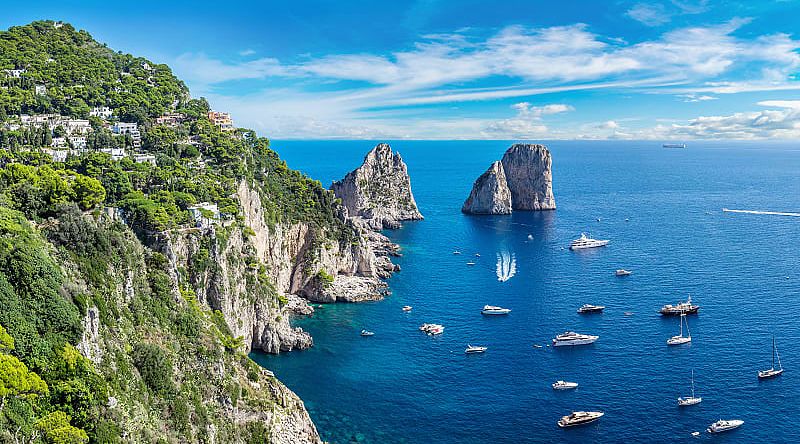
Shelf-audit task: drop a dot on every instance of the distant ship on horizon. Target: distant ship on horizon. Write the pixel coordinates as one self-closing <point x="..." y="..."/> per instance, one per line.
<point x="674" y="145"/>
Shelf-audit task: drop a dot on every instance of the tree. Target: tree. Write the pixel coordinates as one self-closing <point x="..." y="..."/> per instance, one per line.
<point x="17" y="381"/>
<point x="88" y="191"/>
<point x="56" y="429"/>
<point x="6" y="341"/>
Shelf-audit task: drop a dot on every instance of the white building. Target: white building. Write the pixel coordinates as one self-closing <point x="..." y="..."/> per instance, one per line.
<point x="102" y="112"/>
<point x="58" y="142"/>
<point x="78" y="142"/>
<point x="132" y="129"/>
<point x="15" y="73"/>
<point x="56" y="155"/>
<point x="204" y="214"/>
<point x="40" y="90"/>
<point x="144" y="158"/>
<point x="116" y="153"/>
<point x="71" y="126"/>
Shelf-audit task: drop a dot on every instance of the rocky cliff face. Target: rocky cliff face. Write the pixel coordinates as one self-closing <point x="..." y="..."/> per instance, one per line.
<point x="490" y="193"/>
<point x="379" y="191"/>
<point x="523" y="181"/>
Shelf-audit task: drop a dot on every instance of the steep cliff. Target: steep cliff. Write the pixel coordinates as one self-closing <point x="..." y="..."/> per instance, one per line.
<point x="490" y="193"/>
<point x="379" y="191"/>
<point x="523" y="181"/>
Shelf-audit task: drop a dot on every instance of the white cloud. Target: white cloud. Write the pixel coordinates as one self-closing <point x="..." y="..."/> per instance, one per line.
<point x="792" y="104"/>
<point x="527" y="124"/>
<point x="649" y="14"/>
<point x="690" y="98"/>
<point x="610" y="124"/>
<point x="247" y="52"/>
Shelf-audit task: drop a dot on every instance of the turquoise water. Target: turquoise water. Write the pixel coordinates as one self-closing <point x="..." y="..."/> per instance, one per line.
<point x="402" y="386"/>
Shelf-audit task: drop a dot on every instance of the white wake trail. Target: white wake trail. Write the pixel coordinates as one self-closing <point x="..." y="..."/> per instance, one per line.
<point x="770" y="213"/>
<point x="506" y="266"/>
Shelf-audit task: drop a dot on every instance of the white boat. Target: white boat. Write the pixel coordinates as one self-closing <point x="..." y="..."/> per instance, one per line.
<point x="432" y="329"/>
<point x="367" y="333"/>
<point x="681" y="339"/>
<point x="407" y="308"/>
<point x="564" y="385"/>
<point x="579" y="418"/>
<point x="572" y="338"/>
<point x="684" y="401"/>
<point x="723" y="425"/>
<point x="681" y="308"/>
<point x="456" y="252"/>
<point x="494" y="310"/>
<point x="772" y="372"/>
<point x="470" y="263"/>
<point x="674" y="145"/>
<point x="589" y="308"/>
<point x="530" y="237"/>
<point x="477" y="255"/>
<point x="585" y="242"/>
<point x="471" y="349"/>
<point x="623" y="272"/>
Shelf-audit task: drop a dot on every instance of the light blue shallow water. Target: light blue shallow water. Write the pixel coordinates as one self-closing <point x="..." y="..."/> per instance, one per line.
<point x="402" y="386"/>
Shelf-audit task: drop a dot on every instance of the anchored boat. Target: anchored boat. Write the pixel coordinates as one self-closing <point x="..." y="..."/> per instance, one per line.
<point x="684" y="401"/>
<point x="584" y="242"/>
<point x="723" y="425"/>
<point x="579" y="418"/>
<point x="680" y="308"/>
<point x="572" y="338"/>
<point x="494" y="310"/>
<point x="681" y="339"/>
<point x="772" y="372"/>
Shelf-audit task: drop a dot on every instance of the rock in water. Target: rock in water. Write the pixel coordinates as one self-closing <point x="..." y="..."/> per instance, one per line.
<point x="490" y="193"/>
<point x="379" y="191"/>
<point x="529" y="174"/>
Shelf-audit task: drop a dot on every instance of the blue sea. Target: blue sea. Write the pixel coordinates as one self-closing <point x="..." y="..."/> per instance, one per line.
<point x="661" y="209"/>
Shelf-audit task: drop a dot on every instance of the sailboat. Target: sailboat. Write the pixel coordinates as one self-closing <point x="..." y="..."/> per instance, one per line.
<point x="773" y="372"/>
<point x="689" y="400"/>
<point x="681" y="339"/>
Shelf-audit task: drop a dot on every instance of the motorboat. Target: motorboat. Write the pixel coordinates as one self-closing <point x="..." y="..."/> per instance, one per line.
<point x="589" y="308"/>
<point x="681" y="339"/>
<point x="432" y="329"/>
<point x="585" y="242"/>
<point x="407" y="308"/>
<point x="470" y="263"/>
<point x="494" y="310"/>
<point x="623" y="272"/>
<point x="723" y="425"/>
<point x="367" y="333"/>
<point x="680" y="308"/>
<point x="472" y="349"/>
<point x="579" y="418"/>
<point x="684" y="401"/>
<point x="456" y="252"/>
<point x="772" y="372"/>
<point x="564" y="385"/>
<point x="572" y="338"/>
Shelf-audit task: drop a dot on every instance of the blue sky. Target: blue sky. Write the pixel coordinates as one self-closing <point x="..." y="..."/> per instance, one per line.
<point x="427" y="69"/>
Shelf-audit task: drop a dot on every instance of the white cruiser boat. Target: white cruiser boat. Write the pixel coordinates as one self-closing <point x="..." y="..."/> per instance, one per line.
<point x="585" y="242"/>
<point x="432" y="329"/>
<point x="589" y="308"/>
<point x="407" y="308"/>
<point x="471" y="349"/>
<point x="623" y="272"/>
<point x="572" y="338"/>
<point x="579" y="418"/>
<point x="564" y="385"/>
<point x="367" y="333"/>
<point x="772" y="372"/>
<point x="723" y="425"/>
<point x="684" y="401"/>
<point x="681" y="339"/>
<point x="494" y="310"/>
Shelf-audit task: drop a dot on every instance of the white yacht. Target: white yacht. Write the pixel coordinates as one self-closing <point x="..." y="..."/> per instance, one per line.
<point x="579" y="418"/>
<point x="681" y="339"/>
<point x="684" y="401"/>
<point x="494" y="310"/>
<point x="772" y="372"/>
<point x="723" y="425"/>
<point x="432" y="329"/>
<point x="470" y="263"/>
<point x="585" y="242"/>
<point x="367" y="333"/>
<point x="564" y="385"/>
<point x="623" y="272"/>
<point x="572" y="338"/>
<point x="407" y="308"/>
<point x="589" y="308"/>
<point x="471" y="349"/>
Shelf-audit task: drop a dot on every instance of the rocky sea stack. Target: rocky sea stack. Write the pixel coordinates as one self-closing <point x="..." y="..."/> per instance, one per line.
<point x="379" y="191"/>
<point x="522" y="181"/>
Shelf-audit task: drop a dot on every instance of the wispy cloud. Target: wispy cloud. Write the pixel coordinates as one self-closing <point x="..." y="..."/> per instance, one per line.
<point x="527" y="123"/>
<point x="649" y="14"/>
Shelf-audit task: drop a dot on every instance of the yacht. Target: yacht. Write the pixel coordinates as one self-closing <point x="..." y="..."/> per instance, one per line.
<point x="494" y="310"/>
<point x="723" y="425"/>
<point x="585" y="242"/>
<point x="367" y="333"/>
<point x="579" y="418"/>
<point x="589" y="308"/>
<point x="572" y="338"/>
<point x="684" y="401"/>
<point x="772" y="372"/>
<point x="564" y="385"/>
<point x="407" y="308"/>
<point x="680" y="308"/>
<point x="623" y="272"/>
<point x="471" y="349"/>
<point x="681" y="339"/>
<point x="432" y="329"/>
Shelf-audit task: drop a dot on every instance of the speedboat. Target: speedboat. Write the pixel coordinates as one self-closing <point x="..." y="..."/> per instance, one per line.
<point x="494" y="310"/>
<point x="432" y="329"/>
<point x="772" y="372"/>
<point x="589" y="308"/>
<point x="572" y="338"/>
<point x="723" y="425"/>
<point x="474" y="349"/>
<point x="623" y="272"/>
<point x="681" y="339"/>
<point x="456" y="252"/>
<point x="579" y="418"/>
<point x="680" y="308"/>
<point x="407" y="308"/>
<point x="367" y="333"/>
<point x="470" y="263"/>
<point x="585" y="242"/>
<point x="564" y="385"/>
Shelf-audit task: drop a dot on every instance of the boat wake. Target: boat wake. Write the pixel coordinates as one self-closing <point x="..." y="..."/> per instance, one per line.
<point x="506" y="266"/>
<point x="770" y="213"/>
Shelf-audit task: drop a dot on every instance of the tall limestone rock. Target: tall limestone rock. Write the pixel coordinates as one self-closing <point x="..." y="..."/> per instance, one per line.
<point x="379" y="191"/>
<point x="490" y="193"/>
<point x="529" y="174"/>
<point x="523" y="181"/>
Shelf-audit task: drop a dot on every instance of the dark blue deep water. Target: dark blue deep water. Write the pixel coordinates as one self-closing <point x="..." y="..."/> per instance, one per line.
<point x="402" y="386"/>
